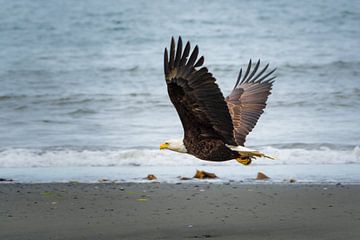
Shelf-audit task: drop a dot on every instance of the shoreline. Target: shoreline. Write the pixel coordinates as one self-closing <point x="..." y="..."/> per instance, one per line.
<point x="326" y="174"/>
<point x="179" y="211"/>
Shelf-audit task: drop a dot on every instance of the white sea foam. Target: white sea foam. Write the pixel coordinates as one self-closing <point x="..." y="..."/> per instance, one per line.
<point x="321" y="155"/>
<point x="26" y="158"/>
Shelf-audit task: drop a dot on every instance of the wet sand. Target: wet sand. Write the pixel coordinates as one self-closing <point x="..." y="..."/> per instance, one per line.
<point x="179" y="211"/>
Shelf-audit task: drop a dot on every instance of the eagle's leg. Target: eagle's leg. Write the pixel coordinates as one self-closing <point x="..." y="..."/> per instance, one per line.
<point x="246" y="160"/>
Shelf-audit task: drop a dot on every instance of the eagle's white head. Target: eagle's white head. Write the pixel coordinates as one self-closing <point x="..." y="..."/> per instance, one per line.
<point x="176" y="145"/>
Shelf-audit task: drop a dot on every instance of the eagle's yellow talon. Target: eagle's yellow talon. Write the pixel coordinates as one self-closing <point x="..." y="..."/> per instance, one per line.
<point x="244" y="161"/>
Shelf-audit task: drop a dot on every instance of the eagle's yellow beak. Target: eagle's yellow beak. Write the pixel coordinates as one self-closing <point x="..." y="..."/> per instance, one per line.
<point x="163" y="146"/>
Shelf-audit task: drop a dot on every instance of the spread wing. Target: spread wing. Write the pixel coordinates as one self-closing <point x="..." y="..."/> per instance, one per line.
<point x="248" y="99"/>
<point x="197" y="98"/>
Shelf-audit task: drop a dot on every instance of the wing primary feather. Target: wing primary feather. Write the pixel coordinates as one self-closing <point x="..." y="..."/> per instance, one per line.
<point x="172" y="53"/>
<point x="185" y="54"/>
<point x="247" y="72"/>
<point x="248" y="99"/>
<point x="166" y="62"/>
<point x="194" y="92"/>
<point x="270" y="80"/>
<point x="200" y="62"/>
<point x="266" y="75"/>
<point x="193" y="56"/>
<point x="178" y="52"/>
<point x="238" y="79"/>
<point x="253" y="72"/>
<point x="261" y="72"/>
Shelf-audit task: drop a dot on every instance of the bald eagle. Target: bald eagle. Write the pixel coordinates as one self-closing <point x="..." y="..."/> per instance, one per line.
<point x="215" y="127"/>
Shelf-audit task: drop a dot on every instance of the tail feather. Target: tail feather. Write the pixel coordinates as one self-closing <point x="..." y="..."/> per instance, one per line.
<point x="249" y="152"/>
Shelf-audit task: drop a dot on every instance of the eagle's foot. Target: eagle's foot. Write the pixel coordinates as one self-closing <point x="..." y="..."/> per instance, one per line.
<point x="244" y="160"/>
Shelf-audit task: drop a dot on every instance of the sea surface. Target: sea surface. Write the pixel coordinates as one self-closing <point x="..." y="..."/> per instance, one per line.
<point x="82" y="85"/>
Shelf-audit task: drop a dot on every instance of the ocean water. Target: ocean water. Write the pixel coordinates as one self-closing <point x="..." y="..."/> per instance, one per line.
<point x="82" y="85"/>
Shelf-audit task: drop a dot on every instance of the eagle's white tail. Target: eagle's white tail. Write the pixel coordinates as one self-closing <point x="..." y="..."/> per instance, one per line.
<point x="249" y="152"/>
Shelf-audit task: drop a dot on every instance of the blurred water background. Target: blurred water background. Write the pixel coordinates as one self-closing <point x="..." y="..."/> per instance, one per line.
<point x="82" y="85"/>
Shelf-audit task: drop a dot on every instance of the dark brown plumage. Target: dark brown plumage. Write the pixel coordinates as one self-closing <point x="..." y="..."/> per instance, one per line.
<point x="209" y="120"/>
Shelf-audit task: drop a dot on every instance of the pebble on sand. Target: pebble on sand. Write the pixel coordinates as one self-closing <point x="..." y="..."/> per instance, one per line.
<point x="151" y="177"/>
<point x="185" y="178"/>
<point x="203" y="175"/>
<point x="6" y="180"/>
<point x="104" y="180"/>
<point x="262" y="176"/>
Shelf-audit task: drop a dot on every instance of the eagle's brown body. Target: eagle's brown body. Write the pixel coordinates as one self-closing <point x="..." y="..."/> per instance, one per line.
<point x="209" y="120"/>
<point x="209" y="149"/>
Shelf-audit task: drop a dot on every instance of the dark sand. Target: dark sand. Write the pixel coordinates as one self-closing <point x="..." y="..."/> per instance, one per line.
<point x="183" y="211"/>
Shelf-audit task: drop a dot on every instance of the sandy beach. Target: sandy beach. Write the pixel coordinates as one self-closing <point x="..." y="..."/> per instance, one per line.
<point x="179" y="211"/>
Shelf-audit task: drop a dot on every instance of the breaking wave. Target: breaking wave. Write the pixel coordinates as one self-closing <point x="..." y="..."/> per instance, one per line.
<point x="25" y="158"/>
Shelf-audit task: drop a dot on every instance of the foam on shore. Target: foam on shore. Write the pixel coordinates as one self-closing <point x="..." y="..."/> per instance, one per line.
<point x="26" y="158"/>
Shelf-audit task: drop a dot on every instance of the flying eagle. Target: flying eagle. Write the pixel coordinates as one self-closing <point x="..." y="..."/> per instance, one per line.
<point x="215" y="127"/>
